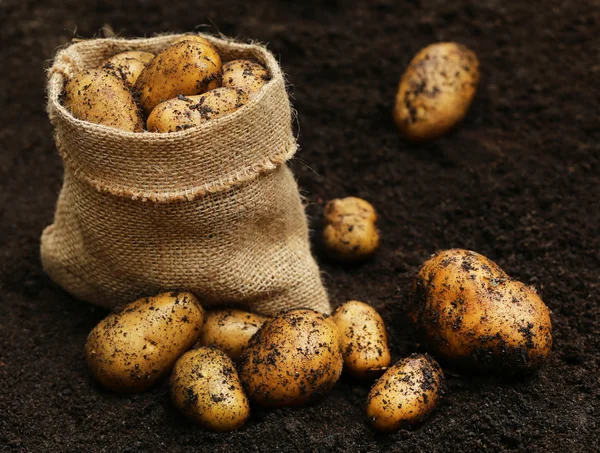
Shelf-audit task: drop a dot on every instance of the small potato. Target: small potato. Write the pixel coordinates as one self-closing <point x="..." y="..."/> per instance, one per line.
<point x="100" y="97"/>
<point x="230" y="330"/>
<point x="185" y="68"/>
<point x="185" y="112"/>
<point x="245" y="74"/>
<point x="293" y="359"/>
<point x="130" y="349"/>
<point x="364" y="339"/>
<point x="406" y="393"/>
<point x="206" y="388"/>
<point x="350" y="233"/>
<point x="128" y="65"/>
<point x="471" y="311"/>
<point x="436" y="91"/>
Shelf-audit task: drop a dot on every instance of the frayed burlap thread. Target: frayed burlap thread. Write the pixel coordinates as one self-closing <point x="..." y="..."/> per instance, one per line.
<point x="213" y="209"/>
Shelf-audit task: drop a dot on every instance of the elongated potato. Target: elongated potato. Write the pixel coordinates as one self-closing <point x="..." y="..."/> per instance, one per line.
<point x="128" y="65"/>
<point x="132" y="348"/>
<point x="185" y="112"/>
<point x="436" y="90"/>
<point x="248" y="75"/>
<point x="406" y="394"/>
<point x="230" y="330"/>
<point x="98" y="96"/>
<point x="205" y="387"/>
<point x="364" y="339"/>
<point x="185" y="68"/>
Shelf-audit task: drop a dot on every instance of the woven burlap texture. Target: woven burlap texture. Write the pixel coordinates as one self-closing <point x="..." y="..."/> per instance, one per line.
<point x="213" y="209"/>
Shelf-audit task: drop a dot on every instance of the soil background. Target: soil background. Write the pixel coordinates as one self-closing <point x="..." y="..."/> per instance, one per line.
<point x="519" y="181"/>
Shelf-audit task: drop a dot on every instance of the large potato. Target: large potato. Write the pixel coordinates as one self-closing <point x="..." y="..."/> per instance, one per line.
<point x="128" y="65"/>
<point x="436" y="90"/>
<point x="205" y="387"/>
<point x="364" y="339"/>
<point x="99" y="96"/>
<point x="293" y="359"/>
<point x="185" y="68"/>
<point x="406" y="394"/>
<point x="130" y="349"/>
<point x="185" y="112"/>
<point x="192" y="37"/>
<point x="245" y="74"/>
<point x="471" y="311"/>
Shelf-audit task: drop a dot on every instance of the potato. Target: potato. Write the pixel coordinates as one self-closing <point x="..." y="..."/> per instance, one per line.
<point x="364" y="339"/>
<point x="128" y="65"/>
<point x="293" y="359"/>
<point x="187" y="68"/>
<point x="100" y="97"/>
<point x="185" y="112"/>
<point x="230" y="330"/>
<point x="471" y="311"/>
<point x="132" y="348"/>
<point x="436" y="91"/>
<point x="350" y="233"/>
<point x="192" y="37"/>
<point x="245" y="74"/>
<point x="206" y="388"/>
<point x="406" y="393"/>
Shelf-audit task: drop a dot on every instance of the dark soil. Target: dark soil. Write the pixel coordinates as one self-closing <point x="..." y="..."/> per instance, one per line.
<point x="519" y="181"/>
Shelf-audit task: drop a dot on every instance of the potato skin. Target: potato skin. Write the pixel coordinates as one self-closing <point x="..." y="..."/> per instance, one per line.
<point x="470" y="311"/>
<point x="406" y="394"/>
<point x="364" y="339"/>
<point x="128" y="65"/>
<point x="206" y="388"/>
<point x="99" y="96"/>
<point x="192" y="37"/>
<point x="248" y="75"/>
<point x="294" y="358"/>
<point x="187" y="68"/>
<point x="186" y="112"/>
<point x="131" y="349"/>
<point x="436" y="91"/>
<point x="230" y="330"/>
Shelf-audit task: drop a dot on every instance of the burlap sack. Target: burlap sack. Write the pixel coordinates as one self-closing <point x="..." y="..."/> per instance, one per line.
<point x="212" y="209"/>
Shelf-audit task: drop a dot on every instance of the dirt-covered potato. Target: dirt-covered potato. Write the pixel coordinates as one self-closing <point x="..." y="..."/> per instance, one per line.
<point x="436" y="90"/>
<point x="185" y="112"/>
<point x="293" y="359"/>
<point x="185" y="68"/>
<point x="128" y="65"/>
<point x="350" y="233"/>
<point x="406" y="393"/>
<point x="99" y="96"/>
<point x="470" y="310"/>
<point x="192" y="37"/>
<point x="245" y="74"/>
<point x="205" y="387"/>
<point x="364" y="339"/>
<point x="133" y="347"/>
<point x="230" y="330"/>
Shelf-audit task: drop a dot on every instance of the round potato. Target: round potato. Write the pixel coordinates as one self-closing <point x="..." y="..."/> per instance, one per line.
<point x="436" y="91"/>
<point x="185" y="112"/>
<point x="470" y="310"/>
<point x="230" y="330"/>
<point x="128" y="65"/>
<point x="293" y="359"/>
<point x="406" y="393"/>
<point x="206" y="388"/>
<point x="130" y="349"/>
<point x="185" y="68"/>
<point x="99" y="96"/>
<point x="364" y="339"/>
<point x="245" y="74"/>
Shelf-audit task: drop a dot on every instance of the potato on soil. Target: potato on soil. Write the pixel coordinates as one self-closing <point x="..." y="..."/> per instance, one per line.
<point x="206" y="388"/>
<point x="133" y="347"/>
<point x="469" y="310"/>
<point x="245" y="74"/>
<point x="436" y="90"/>
<point x="230" y="330"/>
<point x="406" y="393"/>
<point x="186" y="112"/>
<point x="99" y="96"/>
<point x="185" y="68"/>
<point x="364" y="339"/>
<point x="128" y="65"/>
<point x="293" y="359"/>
